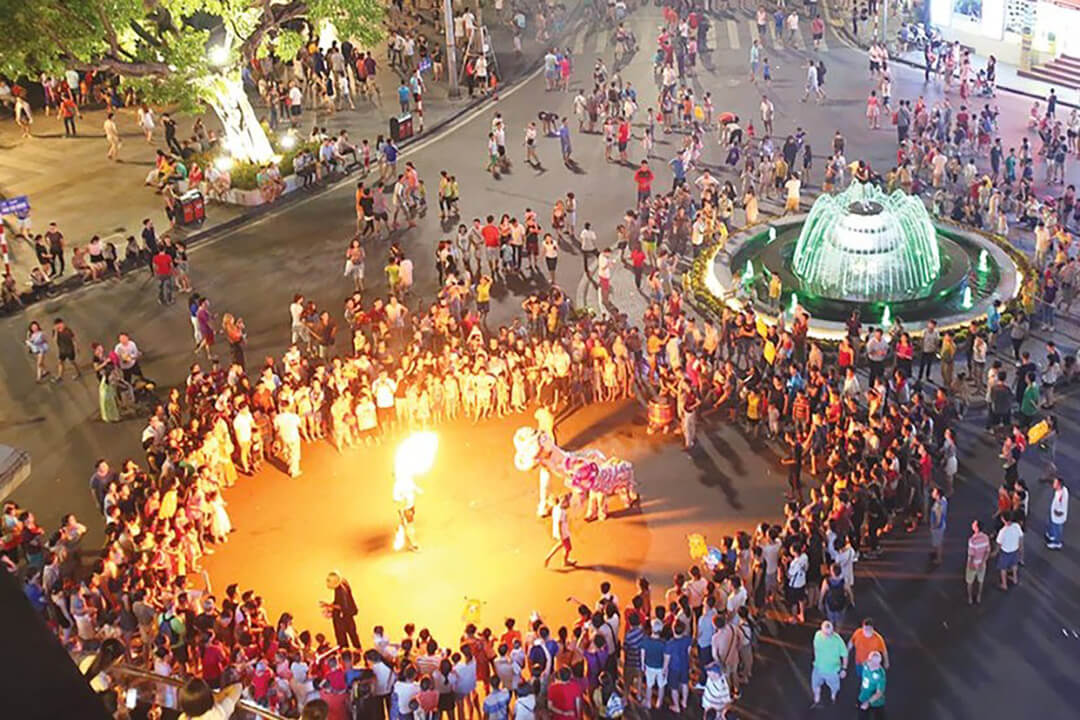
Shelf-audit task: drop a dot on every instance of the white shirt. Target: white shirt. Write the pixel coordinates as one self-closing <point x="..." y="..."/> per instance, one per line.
<point x="296" y="98"/>
<point x="588" y="240"/>
<point x="242" y="425"/>
<point x="128" y="353"/>
<point x="1059" y="506"/>
<point x="560" y="523"/>
<point x="288" y="426"/>
<point x="1008" y="538"/>
<point x="796" y="571"/>
<point x="736" y="599"/>
<point x="384" y="392"/>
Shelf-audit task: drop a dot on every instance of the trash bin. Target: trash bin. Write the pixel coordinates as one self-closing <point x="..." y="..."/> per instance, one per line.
<point x="401" y="127"/>
<point x="192" y="208"/>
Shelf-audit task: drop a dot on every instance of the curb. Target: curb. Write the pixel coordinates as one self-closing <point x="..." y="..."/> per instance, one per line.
<point x="70" y="284"/>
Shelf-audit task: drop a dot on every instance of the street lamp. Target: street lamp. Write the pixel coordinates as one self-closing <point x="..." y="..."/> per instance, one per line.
<point x="219" y="56"/>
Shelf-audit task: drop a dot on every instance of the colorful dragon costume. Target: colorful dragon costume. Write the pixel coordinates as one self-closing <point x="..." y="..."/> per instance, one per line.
<point x="587" y="470"/>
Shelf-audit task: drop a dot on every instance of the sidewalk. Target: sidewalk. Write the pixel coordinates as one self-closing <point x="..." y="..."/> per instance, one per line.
<point x="70" y="181"/>
<point x="839" y="14"/>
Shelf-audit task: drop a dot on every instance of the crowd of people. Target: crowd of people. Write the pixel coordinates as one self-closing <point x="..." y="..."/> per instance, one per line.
<point x="881" y="447"/>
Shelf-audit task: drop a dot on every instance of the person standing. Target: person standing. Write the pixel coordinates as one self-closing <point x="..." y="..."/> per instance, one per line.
<point x="939" y="511"/>
<point x="38" y="346"/>
<point x="64" y="337"/>
<point x="55" y="239"/>
<point x="931" y="343"/>
<point x="560" y="531"/>
<point x="866" y="641"/>
<point x="163" y="272"/>
<point x="978" y="550"/>
<point x="690" y="404"/>
<point x="872" y="689"/>
<point x="287" y="425"/>
<point x="1010" y="538"/>
<point x="830" y="662"/>
<point x="564" y="142"/>
<point x="342" y="611"/>
<point x="112" y="136"/>
<point x="1059" y="513"/>
<point x="655" y="660"/>
<point x="68" y="111"/>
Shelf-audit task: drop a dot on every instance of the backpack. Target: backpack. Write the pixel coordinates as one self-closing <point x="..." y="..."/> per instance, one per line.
<point x="835" y="597"/>
<point x="165" y="627"/>
<point x="614" y="706"/>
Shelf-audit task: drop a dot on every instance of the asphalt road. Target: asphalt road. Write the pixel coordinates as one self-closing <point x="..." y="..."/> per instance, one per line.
<point x="1014" y="656"/>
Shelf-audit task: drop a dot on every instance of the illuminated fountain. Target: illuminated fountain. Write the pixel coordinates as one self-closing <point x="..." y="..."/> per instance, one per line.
<point x="867" y="246"/>
<point x="864" y="250"/>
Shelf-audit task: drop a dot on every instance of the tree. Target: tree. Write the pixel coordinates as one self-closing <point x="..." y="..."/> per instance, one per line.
<point x="184" y="52"/>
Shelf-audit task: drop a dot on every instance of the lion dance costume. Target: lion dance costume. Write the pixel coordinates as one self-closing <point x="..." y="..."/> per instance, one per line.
<point x="587" y="471"/>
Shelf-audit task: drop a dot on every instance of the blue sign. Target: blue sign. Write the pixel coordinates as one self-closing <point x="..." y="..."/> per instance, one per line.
<point x="19" y="205"/>
<point x="425" y="64"/>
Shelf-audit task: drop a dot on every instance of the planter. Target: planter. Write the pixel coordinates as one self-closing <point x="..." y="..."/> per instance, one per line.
<point x="254" y="198"/>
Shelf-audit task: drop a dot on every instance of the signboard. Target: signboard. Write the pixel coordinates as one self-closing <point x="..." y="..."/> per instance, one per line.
<point x="19" y="205"/>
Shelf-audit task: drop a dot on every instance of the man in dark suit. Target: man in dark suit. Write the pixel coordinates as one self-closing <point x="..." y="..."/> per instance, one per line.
<point x="342" y="611"/>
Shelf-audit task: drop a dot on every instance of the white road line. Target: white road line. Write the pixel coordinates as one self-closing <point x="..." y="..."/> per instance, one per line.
<point x="799" y="41"/>
<point x="732" y="34"/>
<point x="753" y="31"/>
<point x="602" y="41"/>
<point x="579" y="43"/>
<point x="772" y="36"/>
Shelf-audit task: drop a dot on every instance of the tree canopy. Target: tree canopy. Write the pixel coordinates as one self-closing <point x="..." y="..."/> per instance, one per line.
<point x="162" y="46"/>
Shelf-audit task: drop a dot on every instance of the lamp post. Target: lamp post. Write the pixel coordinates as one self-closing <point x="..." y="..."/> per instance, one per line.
<point x="451" y="51"/>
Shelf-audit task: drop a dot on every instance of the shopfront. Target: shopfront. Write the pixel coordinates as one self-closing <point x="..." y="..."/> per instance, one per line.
<point x="996" y="27"/>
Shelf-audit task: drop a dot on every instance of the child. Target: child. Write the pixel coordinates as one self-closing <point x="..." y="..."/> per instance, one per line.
<point x="766" y="73"/>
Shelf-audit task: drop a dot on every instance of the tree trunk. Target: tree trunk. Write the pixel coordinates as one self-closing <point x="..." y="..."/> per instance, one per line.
<point x="244" y="138"/>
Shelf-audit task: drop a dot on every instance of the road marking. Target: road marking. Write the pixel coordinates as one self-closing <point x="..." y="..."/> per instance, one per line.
<point x="601" y="42"/>
<point x="465" y="119"/>
<point x="772" y="35"/>
<point x="753" y="31"/>
<point x="579" y="43"/>
<point x="799" y="42"/>
<point x="733" y="34"/>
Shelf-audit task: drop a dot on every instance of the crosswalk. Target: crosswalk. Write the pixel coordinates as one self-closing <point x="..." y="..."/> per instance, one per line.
<point x="726" y="34"/>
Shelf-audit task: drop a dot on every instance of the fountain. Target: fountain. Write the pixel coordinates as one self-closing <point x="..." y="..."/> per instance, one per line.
<point x="877" y="253"/>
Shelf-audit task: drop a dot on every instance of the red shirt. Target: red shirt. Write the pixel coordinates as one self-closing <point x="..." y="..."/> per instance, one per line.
<point x="214" y="661"/>
<point x="562" y="699"/>
<point x="163" y="264"/>
<point x="491" y="235"/>
<point x="637" y="257"/>
<point x="643" y="177"/>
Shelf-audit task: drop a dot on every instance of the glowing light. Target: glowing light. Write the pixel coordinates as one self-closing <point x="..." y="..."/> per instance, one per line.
<point x="288" y="141"/>
<point x="886" y="318"/>
<point x="794" y="304"/>
<point x="984" y="261"/>
<point x="966" y="301"/>
<point x="219" y="56"/>
<point x="416" y="454"/>
<point x="244" y="137"/>
<point x="223" y="163"/>
<point x="772" y="234"/>
<point x="748" y="273"/>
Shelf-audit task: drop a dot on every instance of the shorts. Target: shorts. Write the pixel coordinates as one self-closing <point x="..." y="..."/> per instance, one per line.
<point x="385" y="415"/>
<point x="67" y="355"/>
<point x="654" y="677"/>
<point x="551" y="263"/>
<point x="795" y="595"/>
<point x="296" y="110"/>
<point x="973" y="574"/>
<point x="483" y="305"/>
<point x="1008" y="560"/>
<point x="567" y="545"/>
<point x="622" y="146"/>
<point x="817" y="679"/>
